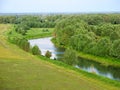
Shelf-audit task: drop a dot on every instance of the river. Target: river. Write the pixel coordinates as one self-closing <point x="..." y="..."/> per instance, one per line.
<point x="45" y="44"/>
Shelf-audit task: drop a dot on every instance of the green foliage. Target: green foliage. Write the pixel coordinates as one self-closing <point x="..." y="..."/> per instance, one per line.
<point x="70" y="57"/>
<point x="103" y="46"/>
<point x="68" y="27"/>
<point x="32" y="21"/>
<point x="79" y="42"/>
<point x="115" y="50"/>
<point x="93" y="33"/>
<point x="35" y="50"/>
<point x="94" y="19"/>
<point x="21" y="28"/>
<point x="23" y="44"/>
<point x="19" y="40"/>
<point x="48" y="54"/>
<point x="8" y="19"/>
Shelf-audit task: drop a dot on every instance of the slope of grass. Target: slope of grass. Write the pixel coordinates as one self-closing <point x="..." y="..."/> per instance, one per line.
<point x="20" y="70"/>
<point x="39" y="32"/>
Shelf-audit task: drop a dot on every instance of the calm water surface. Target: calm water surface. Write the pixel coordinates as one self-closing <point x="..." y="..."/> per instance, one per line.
<point x="45" y="44"/>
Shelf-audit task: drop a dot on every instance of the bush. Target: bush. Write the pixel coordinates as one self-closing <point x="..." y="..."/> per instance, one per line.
<point x="48" y="54"/>
<point x="36" y="50"/>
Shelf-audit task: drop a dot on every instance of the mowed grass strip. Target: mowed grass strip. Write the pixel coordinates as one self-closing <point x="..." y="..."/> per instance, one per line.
<point x="27" y="72"/>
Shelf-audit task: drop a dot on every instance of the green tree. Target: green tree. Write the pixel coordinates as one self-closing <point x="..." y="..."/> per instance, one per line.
<point x="102" y="47"/>
<point x="116" y="33"/>
<point x="48" y="54"/>
<point x="70" y="57"/>
<point x="36" y="50"/>
<point x="67" y="28"/>
<point x="115" y="50"/>
<point x="23" y="43"/>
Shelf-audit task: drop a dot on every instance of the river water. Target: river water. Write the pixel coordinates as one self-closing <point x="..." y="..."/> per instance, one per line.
<point x="45" y="44"/>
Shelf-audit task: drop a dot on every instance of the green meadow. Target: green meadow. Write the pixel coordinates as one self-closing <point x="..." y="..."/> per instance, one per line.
<point x="39" y="32"/>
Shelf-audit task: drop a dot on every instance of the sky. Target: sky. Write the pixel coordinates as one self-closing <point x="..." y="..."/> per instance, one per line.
<point x="59" y="6"/>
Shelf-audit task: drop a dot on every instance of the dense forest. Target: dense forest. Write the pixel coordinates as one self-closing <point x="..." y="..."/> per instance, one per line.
<point x="96" y="34"/>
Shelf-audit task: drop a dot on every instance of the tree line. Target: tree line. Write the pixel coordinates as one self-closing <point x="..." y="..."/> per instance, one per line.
<point x="23" y="23"/>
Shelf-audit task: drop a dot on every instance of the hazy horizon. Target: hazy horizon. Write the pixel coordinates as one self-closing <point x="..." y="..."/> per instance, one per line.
<point x="62" y="6"/>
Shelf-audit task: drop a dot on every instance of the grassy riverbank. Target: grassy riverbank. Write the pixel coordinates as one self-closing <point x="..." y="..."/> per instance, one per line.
<point x="103" y="60"/>
<point x="20" y="70"/>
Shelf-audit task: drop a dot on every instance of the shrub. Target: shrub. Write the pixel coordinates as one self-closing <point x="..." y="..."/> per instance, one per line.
<point x="48" y="54"/>
<point x="36" y="50"/>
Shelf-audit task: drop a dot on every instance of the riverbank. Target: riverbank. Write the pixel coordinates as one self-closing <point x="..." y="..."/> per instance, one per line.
<point x="102" y="60"/>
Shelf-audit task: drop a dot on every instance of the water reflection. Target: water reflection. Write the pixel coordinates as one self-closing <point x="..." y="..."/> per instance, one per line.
<point x="45" y="44"/>
<point x="97" y="68"/>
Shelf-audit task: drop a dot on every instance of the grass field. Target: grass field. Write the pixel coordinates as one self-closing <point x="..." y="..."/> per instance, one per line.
<point x="39" y="32"/>
<point x="20" y="70"/>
